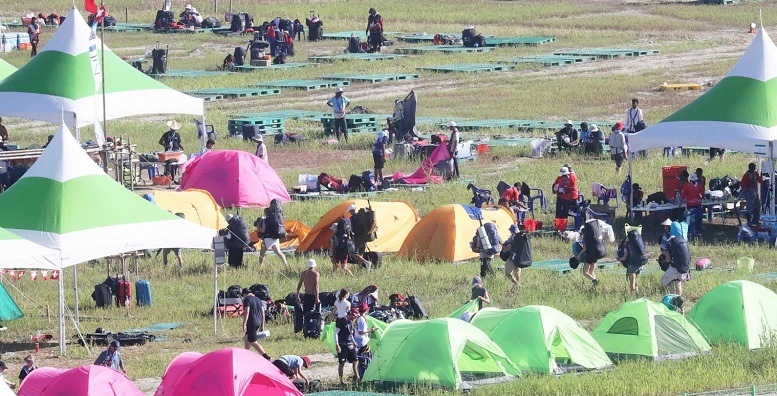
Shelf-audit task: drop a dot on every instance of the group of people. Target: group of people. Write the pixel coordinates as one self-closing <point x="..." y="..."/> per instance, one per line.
<point x="29" y="366"/>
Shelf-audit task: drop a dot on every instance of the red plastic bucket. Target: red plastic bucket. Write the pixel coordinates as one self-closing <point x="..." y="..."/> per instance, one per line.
<point x="482" y="148"/>
<point x="561" y="224"/>
<point x="530" y="225"/>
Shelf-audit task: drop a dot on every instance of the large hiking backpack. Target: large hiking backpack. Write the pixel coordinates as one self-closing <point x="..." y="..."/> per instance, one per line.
<point x="240" y="56"/>
<point x="493" y="238"/>
<point x="681" y="255"/>
<point x="274" y="226"/>
<point x="344" y="245"/>
<point x="354" y="183"/>
<point x="239" y="230"/>
<point x="368" y="181"/>
<point x="521" y="250"/>
<point x="211" y="23"/>
<point x="249" y="20"/>
<point x="636" y="248"/>
<point x="367" y="224"/>
<point x="260" y="291"/>
<point x="468" y="37"/>
<point x="163" y="19"/>
<point x="593" y="241"/>
<point x="238" y="23"/>
<point x="234" y="291"/>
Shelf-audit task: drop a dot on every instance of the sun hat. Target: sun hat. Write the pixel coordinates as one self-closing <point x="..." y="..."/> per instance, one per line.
<point x="476" y="281"/>
<point x="188" y="7"/>
<point x="694" y="177"/>
<point x="116" y="344"/>
<point x="306" y="362"/>
<point x="618" y="125"/>
<point x="352" y="207"/>
<point x="339" y="90"/>
<point x="229" y="217"/>
<point x="259" y="138"/>
<point x="452" y="124"/>
<point x="174" y="125"/>
<point x="568" y="122"/>
<point x="594" y="128"/>
<point x="333" y="227"/>
<point x="666" y="222"/>
<point x="312" y="263"/>
<point x="564" y="171"/>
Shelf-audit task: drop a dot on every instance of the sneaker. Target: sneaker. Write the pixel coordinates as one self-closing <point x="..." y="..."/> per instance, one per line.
<point x="3" y="328"/>
<point x="165" y="263"/>
<point x="368" y="265"/>
<point x="266" y="356"/>
<point x="595" y="282"/>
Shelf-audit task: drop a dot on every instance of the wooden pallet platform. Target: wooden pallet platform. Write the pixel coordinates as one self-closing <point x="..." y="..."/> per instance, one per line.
<point x="608" y="53"/>
<point x="549" y="60"/>
<point x="467" y="68"/>
<point x="305" y="115"/>
<point x="471" y="125"/>
<point x="192" y="73"/>
<point x="236" y="92"/>
<point x="354" y="56"/>
<point x="305" y="85"/>
<point x="514" y="41"/>
<point x="371" y="78"/>
<point x="249" y="68"/>
<point x="680" y="87"/>
<point x="428" y="38"/>
<point x="346" y="35"/>
<point x="266" y="125"/>
<point x="209" y="98"/>
<point x="184" y="31"/>
<point x="446" y="49"/>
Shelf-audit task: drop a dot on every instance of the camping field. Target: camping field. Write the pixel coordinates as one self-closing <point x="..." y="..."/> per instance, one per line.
<point x="697" y="44"/>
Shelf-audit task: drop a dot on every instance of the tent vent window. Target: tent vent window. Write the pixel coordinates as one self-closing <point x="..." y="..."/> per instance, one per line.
<point x="627" y="326"/>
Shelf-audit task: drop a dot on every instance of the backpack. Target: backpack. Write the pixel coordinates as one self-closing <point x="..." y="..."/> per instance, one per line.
<point x="367" y="224"/>
<point x="354" y="183"/>
<point x="343" y="238"/>
<point x="211" y="23"/>
<point x="468" y="37"/>
<point x="239" y="229"/>
<point x="330" y="182"/>
<point x="238" y="23"/>
<point x="240" y="56"/>
<point x="109" y="20"/>
<point x="681" y="255"/>
<point x="593" y="241"/>
<point x="234" y="291"/>
<point x="507" y="254"/>
<point x="368" y="181"/>
<point x="493" y="238"/>
<point x="260" y="291"/>
<point x="274" y="226"/>
<point x="636" y="249"/>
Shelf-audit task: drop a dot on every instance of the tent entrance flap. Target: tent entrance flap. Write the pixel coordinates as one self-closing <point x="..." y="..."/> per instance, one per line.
<point x="671" y="338"/>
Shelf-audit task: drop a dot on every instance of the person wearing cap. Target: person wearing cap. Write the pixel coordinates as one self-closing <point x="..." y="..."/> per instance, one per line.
<point x="261" y="148"/>
<point x="111" y="357"/>
<point x="635" y="122"/>
<point x="359" y="240"/>
<point x="374" y="30"/>
<point x="310" y="279"/>
<point x="618" y="145"/>
<point x="362" y="331"/>
<point x="479" y="292"/>
<point x="567" y="137"/>
<point x="453" y="147"/>
<point x="692" y="194"/>
<point x="292" y="365"/>
<point x="346" y="344"/>
<point x="29" y="366"/>
<point x="595" y="142"/>
<point x="253" y="321"/>
<point x="565" y="188"/>
<point x="339" y="103"/>
<point x="4" y="367"/>
<point x="379" y="146"/>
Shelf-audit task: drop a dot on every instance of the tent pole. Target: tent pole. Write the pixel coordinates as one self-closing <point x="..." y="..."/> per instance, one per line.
<point x="771" y="179"/>
<point x="102" y="68"/>
<point x="215" y="297"/>
<point x="61" y="315"/>
<point x="75" y="289"/>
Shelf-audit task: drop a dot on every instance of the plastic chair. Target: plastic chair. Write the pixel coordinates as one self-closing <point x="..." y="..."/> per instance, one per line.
<point x="536" y="194"/>
<point x="604" y="194"/>
<point x="208" y="129"/>
<point x="480" y="196"/>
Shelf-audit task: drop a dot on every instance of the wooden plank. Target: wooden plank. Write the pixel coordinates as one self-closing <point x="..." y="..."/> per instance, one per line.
<point x="513" y="41"/>
<point x="467" y="68"/>
<point x="249" y="68"/>
<point x="235" y="92"/>
<point x="680" y="87"/>
<point x="347" y="35"/>
<point x="192" y="73"/>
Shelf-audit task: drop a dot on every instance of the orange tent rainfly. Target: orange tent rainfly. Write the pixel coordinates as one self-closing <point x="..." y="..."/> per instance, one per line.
<point x="394" y="219"/>
<point x="445" y="233"/>
<point x="198" y="206"/>
<point x="296" y="231"/>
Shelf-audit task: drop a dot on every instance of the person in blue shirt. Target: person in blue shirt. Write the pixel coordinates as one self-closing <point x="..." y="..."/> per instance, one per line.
<point x="111" y="357"/>
<point x="339" y="103"/>
<point x="379" y="154"/>
<point x="292" y="365"/>
<point x="674" y="302"/>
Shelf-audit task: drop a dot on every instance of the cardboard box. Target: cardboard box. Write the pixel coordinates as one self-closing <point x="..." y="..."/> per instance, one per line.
<point x="169" y="155"/>
<point x="260" y="62"/>
<point x="161" y="180"/>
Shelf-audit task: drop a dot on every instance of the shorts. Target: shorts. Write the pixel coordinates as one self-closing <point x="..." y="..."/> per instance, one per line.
<point x="510" y="267"/>
<point x="633" y="269"/>
<point x="379" y="160"/>
<point x="281" y="365"/>
<point x="251" y="332"/>
<point x="618" y="158"/>
<point x="347" y="354"/>
<point x="341" y="260"/>
<point x="270" y="242"/>
<point x="672" y="275"/>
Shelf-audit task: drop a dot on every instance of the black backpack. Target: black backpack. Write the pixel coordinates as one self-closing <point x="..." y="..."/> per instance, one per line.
<point x="594" y="241"/>
<point x="274" y="225"/>
<point x="261" y="291"/>
<point x="239" y="229"/>
<point x="344" y="238"/>
<point x="234" y="291"/>
<point x="468" y="37"/>
<point x="365" y="224"/>
<point x="636" y="249"/>
<point x="211" y="23"/>
<point x="240" y="55"/>
<point x="681" y="255"/>
<point x="238" y="23"/>
<point x="354" y="183"/>
<point x="521" y="250"/>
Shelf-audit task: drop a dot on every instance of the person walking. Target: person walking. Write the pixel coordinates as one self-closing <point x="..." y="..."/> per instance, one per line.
<point x="379" y="154"/>
<point x="253" y="321"/>
<point x="339" y="103"/>
<point x="111" y="357"/>
<point x="618" y="146"/>
<point x="635" y="122"/>
<point x="272" y="229"/>
<point x="517" y="249"/>
<point x="374" y="30"/>
<point x="346" y="345"/>
<point x="453" y="147"/>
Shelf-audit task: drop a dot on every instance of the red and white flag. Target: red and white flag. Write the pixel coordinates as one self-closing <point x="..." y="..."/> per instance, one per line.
<point x="90" y="6"/>
<point x="100" y="14"/>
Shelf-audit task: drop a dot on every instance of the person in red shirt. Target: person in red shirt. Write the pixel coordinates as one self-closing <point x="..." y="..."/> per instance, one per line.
<point x="511" y="198"/>
<point x="749" y="193"/>
<point x="565" y="188"/>
<point x="692" y="193"/>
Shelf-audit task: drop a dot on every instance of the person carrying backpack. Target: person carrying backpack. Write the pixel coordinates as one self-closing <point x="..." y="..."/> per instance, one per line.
<point x="360" y="231"/>
<point x="486" y="243"/>
<point x="675" y="260"/>
<point x="272" y="228"/>
<point x="341" y="245"/>
<point x="516" y="252"/>
<point x="631" y="253"/>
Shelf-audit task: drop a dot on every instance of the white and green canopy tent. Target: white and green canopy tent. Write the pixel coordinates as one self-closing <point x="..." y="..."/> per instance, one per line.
<point x="6" y="69"/>
<point x="61" y="79"/>
<point x="17" y="252"/>
<point x="739" y="113"/>
<point x="67" y="203"/>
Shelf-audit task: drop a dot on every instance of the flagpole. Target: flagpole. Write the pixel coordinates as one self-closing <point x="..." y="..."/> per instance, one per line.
<point x="102" y="65"/>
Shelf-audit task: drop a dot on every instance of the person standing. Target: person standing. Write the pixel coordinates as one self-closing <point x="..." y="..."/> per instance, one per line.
<point x="635" y="122"/>
<point x="342" y="304"/>
<point x="453" y="147"/>
<point x="749" y="184"/>
<point x="379" y="154"/>
<point x="346" y="345"/>
<point x="479" y="292"/>
<point x="253" y="321"/>
<point x="374" y="30"/>
<point x="261" y="149"/>
<point x="33" y="30"/>
<point x="272" y="229"/>
<point x="518" y="252"/>
<point x="3" y="132"/>
<point x="111" y="357"/>
<point x="618" y="146"/>
<point x="310" y="279"/>
<point x="692" y="194"/>
<point x="339" y="103"/>
<point x="566" y="192"/>
<point x="362" y="331"/>
<point x="171" y="141"/>
<point x="29" y="366"/>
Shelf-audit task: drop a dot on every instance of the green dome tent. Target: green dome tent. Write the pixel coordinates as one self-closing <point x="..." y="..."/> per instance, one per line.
<point x="328" y="335"/>
<point x="739" y="311"/>
<point x="547" y="337"/>
<point x="643" y="328"/>
<point x="436" y="352"/>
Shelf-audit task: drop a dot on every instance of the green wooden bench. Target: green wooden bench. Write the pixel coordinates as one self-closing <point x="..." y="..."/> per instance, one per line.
<point x="513" y="41"/>
<point x="354" y="56"/>
<point x="371" y="78"/>
<point x="235" y="92"/>
<point x="466" y="68"/>
<point x="446" y="49"/>
<point x="305" y="85"/>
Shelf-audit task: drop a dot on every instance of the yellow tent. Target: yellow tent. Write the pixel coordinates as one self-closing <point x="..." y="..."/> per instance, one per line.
<point x="197" y="205"/>
<point x="445" y="233"/>
<point x="394" y="219"/>
<point x="296" y="231"/>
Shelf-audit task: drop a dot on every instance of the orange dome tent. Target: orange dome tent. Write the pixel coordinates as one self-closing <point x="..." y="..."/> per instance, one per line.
<point x="296" y="231"/>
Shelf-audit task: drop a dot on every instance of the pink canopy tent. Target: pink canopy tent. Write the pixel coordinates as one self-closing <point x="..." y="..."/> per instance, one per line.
<point x="234" y="178"/>
<point x="88" y="380"/>
<point x="424" y="173"/>
<point x="225" y="372"/>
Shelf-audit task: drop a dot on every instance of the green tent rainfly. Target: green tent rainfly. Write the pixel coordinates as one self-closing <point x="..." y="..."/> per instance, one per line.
<point x="546" y="338"/>
<point x="739" y="311"/>
<point x="328" y="335"/>
<point x="8" y="308"/>
<point x="643" y="328"/>
<point x="436" y="352"/>
<point x="6" y="69"/>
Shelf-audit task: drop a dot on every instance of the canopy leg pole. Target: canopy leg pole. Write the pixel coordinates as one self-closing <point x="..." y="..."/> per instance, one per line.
<point x="215" y="297"/>
<point x="629" y="201"/>
<point x="771" y="179"/>
<point x="75" y="290"/>
<point x="61" y="315"/>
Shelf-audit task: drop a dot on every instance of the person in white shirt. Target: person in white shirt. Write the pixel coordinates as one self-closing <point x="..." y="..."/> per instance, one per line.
<point x="342" y="304"/>
<point x="362" y="331"/>
<point x="635" y="122"/>
<point x="618" y="146"/>
<point x="261" y="149"/>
